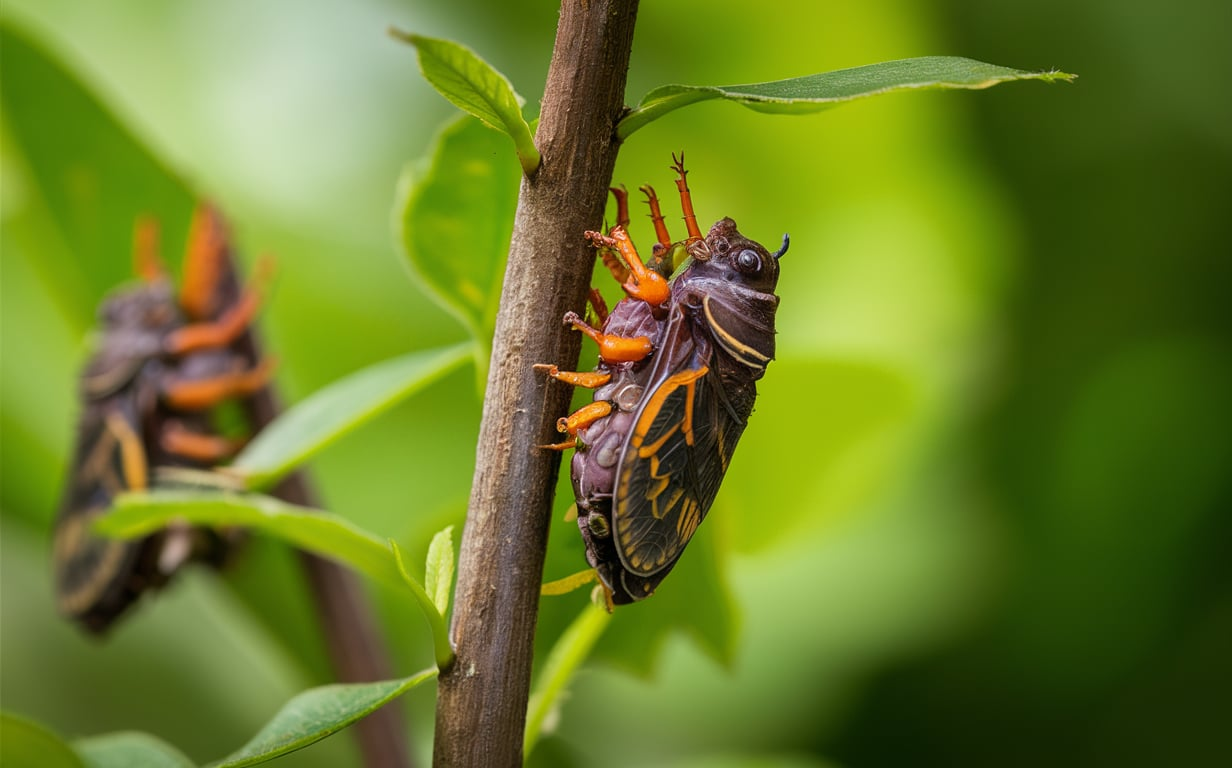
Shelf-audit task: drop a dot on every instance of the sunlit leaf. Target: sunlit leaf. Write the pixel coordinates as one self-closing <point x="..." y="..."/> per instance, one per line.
<point x="317" y="713"/>
<point x="474" y="86"/>
<point x="333" y="411"/>
<point x="812" y="93"/>
<point x="27" y="744"/>
<point x="438" y="573"/>
<point x="455" y="220"/>
<point x="130" y="749"/>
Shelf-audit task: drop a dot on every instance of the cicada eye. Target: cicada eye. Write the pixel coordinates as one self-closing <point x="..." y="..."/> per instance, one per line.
<point x="748" y="261"/>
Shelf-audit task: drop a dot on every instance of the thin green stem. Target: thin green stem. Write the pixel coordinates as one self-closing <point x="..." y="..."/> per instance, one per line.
<point x="567" y="655"/>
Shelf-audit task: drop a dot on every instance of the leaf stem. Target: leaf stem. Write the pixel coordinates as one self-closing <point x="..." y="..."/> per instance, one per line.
<point x="571" y="649"/>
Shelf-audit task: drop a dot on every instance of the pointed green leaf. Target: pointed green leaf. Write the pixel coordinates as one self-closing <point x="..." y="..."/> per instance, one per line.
<point x="812" y="93"/>
<point x="27" y="744"/>
<point x="137" y="514"/>
<point x="455" y="220"/>
<point x="331" y="536"/>
<point x="317" y="713"/>
<point x="438" y="573"/>
<point x="436" y="619"/>
<point x="130" y="749"/>
<point x="474" y="86"/>
<point x="313" y="424"/>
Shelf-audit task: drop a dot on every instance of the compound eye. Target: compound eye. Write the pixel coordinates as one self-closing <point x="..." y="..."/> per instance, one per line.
<point x="748" y="261"/>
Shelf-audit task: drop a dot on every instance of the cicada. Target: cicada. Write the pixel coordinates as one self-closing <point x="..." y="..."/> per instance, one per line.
<point x="163" y="364"/>
<point x="679" y="359"/>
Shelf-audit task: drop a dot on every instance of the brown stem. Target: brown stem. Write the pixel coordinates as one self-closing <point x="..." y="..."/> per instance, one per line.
<point x="481" y="699"/>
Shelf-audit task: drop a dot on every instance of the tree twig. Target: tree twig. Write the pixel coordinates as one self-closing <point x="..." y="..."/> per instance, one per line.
<point x="481" y="700"/>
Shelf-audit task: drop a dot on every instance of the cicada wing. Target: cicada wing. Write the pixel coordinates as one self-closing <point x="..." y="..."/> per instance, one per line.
<point x="672" y="465"/>
<point x="95" y="575"/>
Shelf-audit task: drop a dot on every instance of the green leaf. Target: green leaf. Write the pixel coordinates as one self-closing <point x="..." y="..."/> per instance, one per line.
<point x="438" y="573"/>
<point x="475" y="87"/>
<point x="455" y="220"/>
<point x="317" y="713"/>
<point x="130" y="749"/>
<point x="137" y="514"/>
<point x="436" y="619"/>
<point x="571" y="649"/>
<point x="328" y="414"/>
<point x="813" y="93"/>
<point x="27" y="744"/>
<point x="85" y="179"/>
<point x="331" y="536"/>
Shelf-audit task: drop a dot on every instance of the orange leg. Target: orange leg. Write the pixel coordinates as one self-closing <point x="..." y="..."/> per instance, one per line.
<point x="583" y="417"/>
<point x="205" y="393"/>
<point x="227" y="328"/>
<point x="209" y="449"/>
<point x="598" y="306"/>
<point x="609" y="257"/>
<point x="686" y="199"/>
<point x="614" y="265"/>
<point x="644" y="284"/>
<point x="622" y="205"/>
<point x="146" y="261"/>
<point x="204" y="262"/>
<point x="587" y="379"/>
<point x="612" y="349"/>
<point x="656" y="217"/>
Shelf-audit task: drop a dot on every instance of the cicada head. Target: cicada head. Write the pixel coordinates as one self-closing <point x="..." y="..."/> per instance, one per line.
<point x="730" y="256"/>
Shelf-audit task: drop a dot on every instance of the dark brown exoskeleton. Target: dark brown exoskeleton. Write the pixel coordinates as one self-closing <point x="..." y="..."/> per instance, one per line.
<point x="674" y="388"/>
<point x="162" y="364"/>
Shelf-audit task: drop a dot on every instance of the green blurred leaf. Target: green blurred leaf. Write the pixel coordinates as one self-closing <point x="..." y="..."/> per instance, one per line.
<point x="455" y="220"/>
<point x="130" y="749"/>
<point x="89" y="179"/>
<point x="812" y="93"/>
<point x="317" y="713"/>
<point x="438" y="573"/>
<point x="474" y="86"/>
<point x="137" y="514"/>
<point x="695" y="600"/>
<point x="27" y="744"/>
<point x="571" y="650"/>
<point x="333" y="411"/>
<point x="856" y="421"/>
<point x="331" y="536"/>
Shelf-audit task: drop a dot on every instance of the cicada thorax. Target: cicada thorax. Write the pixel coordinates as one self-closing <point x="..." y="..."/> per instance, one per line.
<point x="149" y="394"/>
<point x="649" y="462"/>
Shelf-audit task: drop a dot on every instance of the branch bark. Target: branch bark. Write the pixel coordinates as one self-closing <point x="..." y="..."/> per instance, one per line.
<point x="481" y="700"/>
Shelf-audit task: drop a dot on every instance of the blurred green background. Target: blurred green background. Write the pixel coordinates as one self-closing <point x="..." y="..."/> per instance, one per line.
<point x="981" y="514"/>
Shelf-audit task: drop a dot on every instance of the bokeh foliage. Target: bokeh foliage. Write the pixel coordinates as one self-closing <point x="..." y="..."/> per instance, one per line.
<point x="981" y="512"/>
